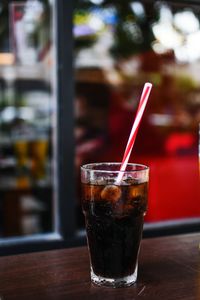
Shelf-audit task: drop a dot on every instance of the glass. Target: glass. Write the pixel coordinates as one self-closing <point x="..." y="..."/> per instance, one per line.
<point x="118" y="46"/>
<point x="114" y="215"/>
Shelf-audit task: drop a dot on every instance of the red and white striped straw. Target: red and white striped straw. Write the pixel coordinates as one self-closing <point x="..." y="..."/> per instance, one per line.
<point x="141" y="107"/>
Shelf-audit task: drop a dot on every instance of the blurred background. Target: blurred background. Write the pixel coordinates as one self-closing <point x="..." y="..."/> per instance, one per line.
<point x="118" y="45"/>
<point x="26" y="118"/>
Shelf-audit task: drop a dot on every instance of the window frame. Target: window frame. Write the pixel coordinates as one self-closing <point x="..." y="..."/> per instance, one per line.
<point x="62" y="16"/>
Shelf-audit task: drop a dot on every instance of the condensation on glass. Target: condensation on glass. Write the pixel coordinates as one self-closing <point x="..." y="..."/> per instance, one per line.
<point x="26" y="114"/>
<point x="118" y="47"/>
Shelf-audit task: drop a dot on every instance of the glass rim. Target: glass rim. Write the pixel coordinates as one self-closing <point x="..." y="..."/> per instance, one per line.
<point x="87" y="167"/>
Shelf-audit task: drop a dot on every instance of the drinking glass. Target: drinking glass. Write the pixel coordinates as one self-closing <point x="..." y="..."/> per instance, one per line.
<point x="114" y="214"/>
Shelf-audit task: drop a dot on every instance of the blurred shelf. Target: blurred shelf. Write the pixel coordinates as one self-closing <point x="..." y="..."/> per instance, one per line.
<point x="14" y="178"/>
<point x="8" y="140"/>
<point x="12" y="183"/>
<point x="19" y="72"/>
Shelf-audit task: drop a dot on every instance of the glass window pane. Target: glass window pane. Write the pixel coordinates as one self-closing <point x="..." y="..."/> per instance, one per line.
<point x="26" y="119"/>
<point x="119" y="45"/>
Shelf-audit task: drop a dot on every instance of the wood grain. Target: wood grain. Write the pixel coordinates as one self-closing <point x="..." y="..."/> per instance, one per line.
<point x="169" y="269"/>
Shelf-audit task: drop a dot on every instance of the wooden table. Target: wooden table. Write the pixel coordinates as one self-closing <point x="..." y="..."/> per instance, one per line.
<point x="169" y="269"/>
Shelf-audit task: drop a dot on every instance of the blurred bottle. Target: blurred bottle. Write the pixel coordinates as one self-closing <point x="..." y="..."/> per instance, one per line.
<point x="39" y="149"/>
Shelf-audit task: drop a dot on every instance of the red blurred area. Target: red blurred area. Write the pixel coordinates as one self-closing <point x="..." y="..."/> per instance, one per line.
<point x="170" y="149"/>
<point x="179" y="142"/>
<point x="174" y="188"/>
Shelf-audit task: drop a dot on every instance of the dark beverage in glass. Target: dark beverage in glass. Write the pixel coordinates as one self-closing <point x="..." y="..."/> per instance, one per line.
<point x="114" y="215"/>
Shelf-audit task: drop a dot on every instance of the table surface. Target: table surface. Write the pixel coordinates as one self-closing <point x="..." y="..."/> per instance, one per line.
<point x="169" y="269"/>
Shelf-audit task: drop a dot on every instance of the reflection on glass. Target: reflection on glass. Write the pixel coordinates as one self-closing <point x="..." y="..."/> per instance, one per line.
<point x="118" y="47"/>
<point x="28" y="22"/>
<point x="25" y="119"/>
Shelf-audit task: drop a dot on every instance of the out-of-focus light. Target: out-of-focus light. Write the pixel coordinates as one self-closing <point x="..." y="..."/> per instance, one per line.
<point x="87" y="25"/>
<point x="95" y="23"/>
<point x="167" y="36"/>
<point x="190" y="51"/>
<point x="82" y="30"/>
<point x="33" y="10"/>
<point x="113" y="77"/>
<point x="186" y="21"/>
<point x="180" y="33"/>
<point x="194" y="39"/>
<point x="8" y="114"/>
<point x="160" y="119"/>
<point x="138" y="9"/>
<point x="159" y="48"/>
<point x="165" y="14"/>
<point x="108" y="15"/>
<point x="131" y="67"/>
<point x="34" y="6"/>
<point x="97" y="2"/>
<point x="6" y="58"/>
<point x="181" y="54"/>
<point x="134" y="31"/>
<point x="26" y="113"/>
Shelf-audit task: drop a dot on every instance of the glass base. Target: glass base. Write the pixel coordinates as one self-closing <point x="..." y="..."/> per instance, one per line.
<point x="112" y="282"/>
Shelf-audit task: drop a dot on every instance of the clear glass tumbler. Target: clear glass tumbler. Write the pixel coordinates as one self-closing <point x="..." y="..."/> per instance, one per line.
<point x="114" y="214"/>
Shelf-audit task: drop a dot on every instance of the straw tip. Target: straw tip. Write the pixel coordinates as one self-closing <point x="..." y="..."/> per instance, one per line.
<point x="148" y="84"/>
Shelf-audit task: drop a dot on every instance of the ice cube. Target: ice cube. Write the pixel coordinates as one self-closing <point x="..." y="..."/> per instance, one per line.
<point x="138" y="190"/>
<point x="129" y="180"/>
<point x="99" y="181"/>
<point x="111" y="193"/>
<point x="92" y="192"/>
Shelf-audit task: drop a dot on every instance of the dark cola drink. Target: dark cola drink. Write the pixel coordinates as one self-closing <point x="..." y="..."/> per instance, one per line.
<point x="114" y="221"/>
